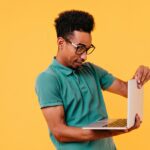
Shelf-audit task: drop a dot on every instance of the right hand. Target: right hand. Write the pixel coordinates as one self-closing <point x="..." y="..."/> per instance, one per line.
<point x="136" y="125"/>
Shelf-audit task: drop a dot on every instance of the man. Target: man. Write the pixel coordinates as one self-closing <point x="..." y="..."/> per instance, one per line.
<point x="70" y="91"/>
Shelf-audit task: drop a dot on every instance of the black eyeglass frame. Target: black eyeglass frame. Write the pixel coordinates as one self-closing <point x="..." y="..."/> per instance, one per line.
<point x="77" y="46"/>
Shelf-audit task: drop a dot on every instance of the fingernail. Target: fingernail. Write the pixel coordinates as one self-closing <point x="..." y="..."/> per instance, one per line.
<point x="139" y="85"/>
<point x="139" y="81"/>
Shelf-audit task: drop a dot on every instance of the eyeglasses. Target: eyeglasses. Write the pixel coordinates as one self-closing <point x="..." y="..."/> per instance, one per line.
<point x="81" y="48"/>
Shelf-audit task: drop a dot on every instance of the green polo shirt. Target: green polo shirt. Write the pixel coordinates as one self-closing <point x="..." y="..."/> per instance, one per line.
<point x="79" y="91"/>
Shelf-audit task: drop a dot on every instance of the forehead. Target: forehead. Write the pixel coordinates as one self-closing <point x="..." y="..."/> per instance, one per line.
<point x="82" y="37"/>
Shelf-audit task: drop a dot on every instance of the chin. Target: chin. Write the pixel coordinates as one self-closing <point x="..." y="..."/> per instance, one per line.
<point x="76" y="66"/>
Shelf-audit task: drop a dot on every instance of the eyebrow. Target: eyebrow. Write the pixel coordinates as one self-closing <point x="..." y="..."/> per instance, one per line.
<point x="81" y="44"/>
<point x="85" y="45"/>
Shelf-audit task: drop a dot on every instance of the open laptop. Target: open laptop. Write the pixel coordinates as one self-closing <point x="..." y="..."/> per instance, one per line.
<point x="134" y="106"/>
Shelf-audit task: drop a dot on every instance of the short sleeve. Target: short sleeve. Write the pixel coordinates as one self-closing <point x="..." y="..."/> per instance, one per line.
<point x="105" y="78"/>
<point x="47" y="90"/>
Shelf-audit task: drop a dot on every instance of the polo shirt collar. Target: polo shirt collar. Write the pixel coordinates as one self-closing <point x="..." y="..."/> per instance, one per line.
<point x="62" y="68"/>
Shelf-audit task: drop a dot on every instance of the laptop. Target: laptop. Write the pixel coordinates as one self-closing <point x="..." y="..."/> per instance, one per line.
<point x="134" y="106"/>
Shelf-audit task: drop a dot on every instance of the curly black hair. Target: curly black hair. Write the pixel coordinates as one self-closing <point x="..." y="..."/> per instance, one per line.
<point x="69" y="21"/>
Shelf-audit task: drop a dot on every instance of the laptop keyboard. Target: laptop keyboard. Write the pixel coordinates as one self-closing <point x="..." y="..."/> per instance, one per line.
<point x="117" y="123"/>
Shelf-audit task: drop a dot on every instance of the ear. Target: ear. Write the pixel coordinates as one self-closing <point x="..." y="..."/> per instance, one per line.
<point x="60" y="42"/>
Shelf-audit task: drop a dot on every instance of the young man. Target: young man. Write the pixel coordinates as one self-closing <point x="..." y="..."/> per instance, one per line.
<point x="70" y="91"/>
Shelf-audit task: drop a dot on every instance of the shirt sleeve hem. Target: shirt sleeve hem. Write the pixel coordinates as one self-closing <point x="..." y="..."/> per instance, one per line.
<point x="50" y="104"/>
<point x="109" y="84"/>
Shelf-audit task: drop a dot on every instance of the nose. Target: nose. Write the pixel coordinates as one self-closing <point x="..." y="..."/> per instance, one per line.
<point x="84" y="56"/>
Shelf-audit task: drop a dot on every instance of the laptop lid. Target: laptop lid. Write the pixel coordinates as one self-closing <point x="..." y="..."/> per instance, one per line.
<point x="135" y="102"/>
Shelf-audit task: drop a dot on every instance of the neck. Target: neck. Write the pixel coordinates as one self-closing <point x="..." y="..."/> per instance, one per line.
<point x="60" y="60"/>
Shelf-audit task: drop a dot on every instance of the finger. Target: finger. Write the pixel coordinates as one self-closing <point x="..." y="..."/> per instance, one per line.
<point x="145" y="73"/>
<point x="148" y="75"/>
<point x="137" y="121"/>
<point x="136" y="124"/>
<point x="147" y="78"/>
<point x="145" y="81"/>
<point x="126" y="130"/>
<point x="138" y="74"/>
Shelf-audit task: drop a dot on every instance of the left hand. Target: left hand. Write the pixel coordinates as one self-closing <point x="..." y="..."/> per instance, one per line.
<point x="142" y="75"/>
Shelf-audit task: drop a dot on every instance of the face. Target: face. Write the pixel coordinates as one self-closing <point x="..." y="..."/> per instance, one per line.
<point x="67" y="51"/>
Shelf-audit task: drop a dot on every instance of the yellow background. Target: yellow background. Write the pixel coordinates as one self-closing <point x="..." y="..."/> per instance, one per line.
<point x="28" y="44"/>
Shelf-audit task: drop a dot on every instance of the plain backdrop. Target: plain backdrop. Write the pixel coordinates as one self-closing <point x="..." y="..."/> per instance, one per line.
<point x="28" y="44"/>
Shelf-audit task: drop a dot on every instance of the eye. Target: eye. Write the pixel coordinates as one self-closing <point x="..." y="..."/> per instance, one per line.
<point x="81" y="48"/>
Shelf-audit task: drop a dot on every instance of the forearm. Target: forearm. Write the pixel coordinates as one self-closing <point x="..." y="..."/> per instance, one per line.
<point x="123" y="90"/>
<point x="62" y="132"/>
<point x="74" y="134"/>
<point x="119" y="87"/>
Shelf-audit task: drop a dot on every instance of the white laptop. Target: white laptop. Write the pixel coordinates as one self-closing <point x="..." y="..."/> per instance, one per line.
<point x="135" y="106"/>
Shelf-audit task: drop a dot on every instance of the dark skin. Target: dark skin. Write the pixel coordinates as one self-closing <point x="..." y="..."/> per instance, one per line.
<point x="55" y="116"/>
